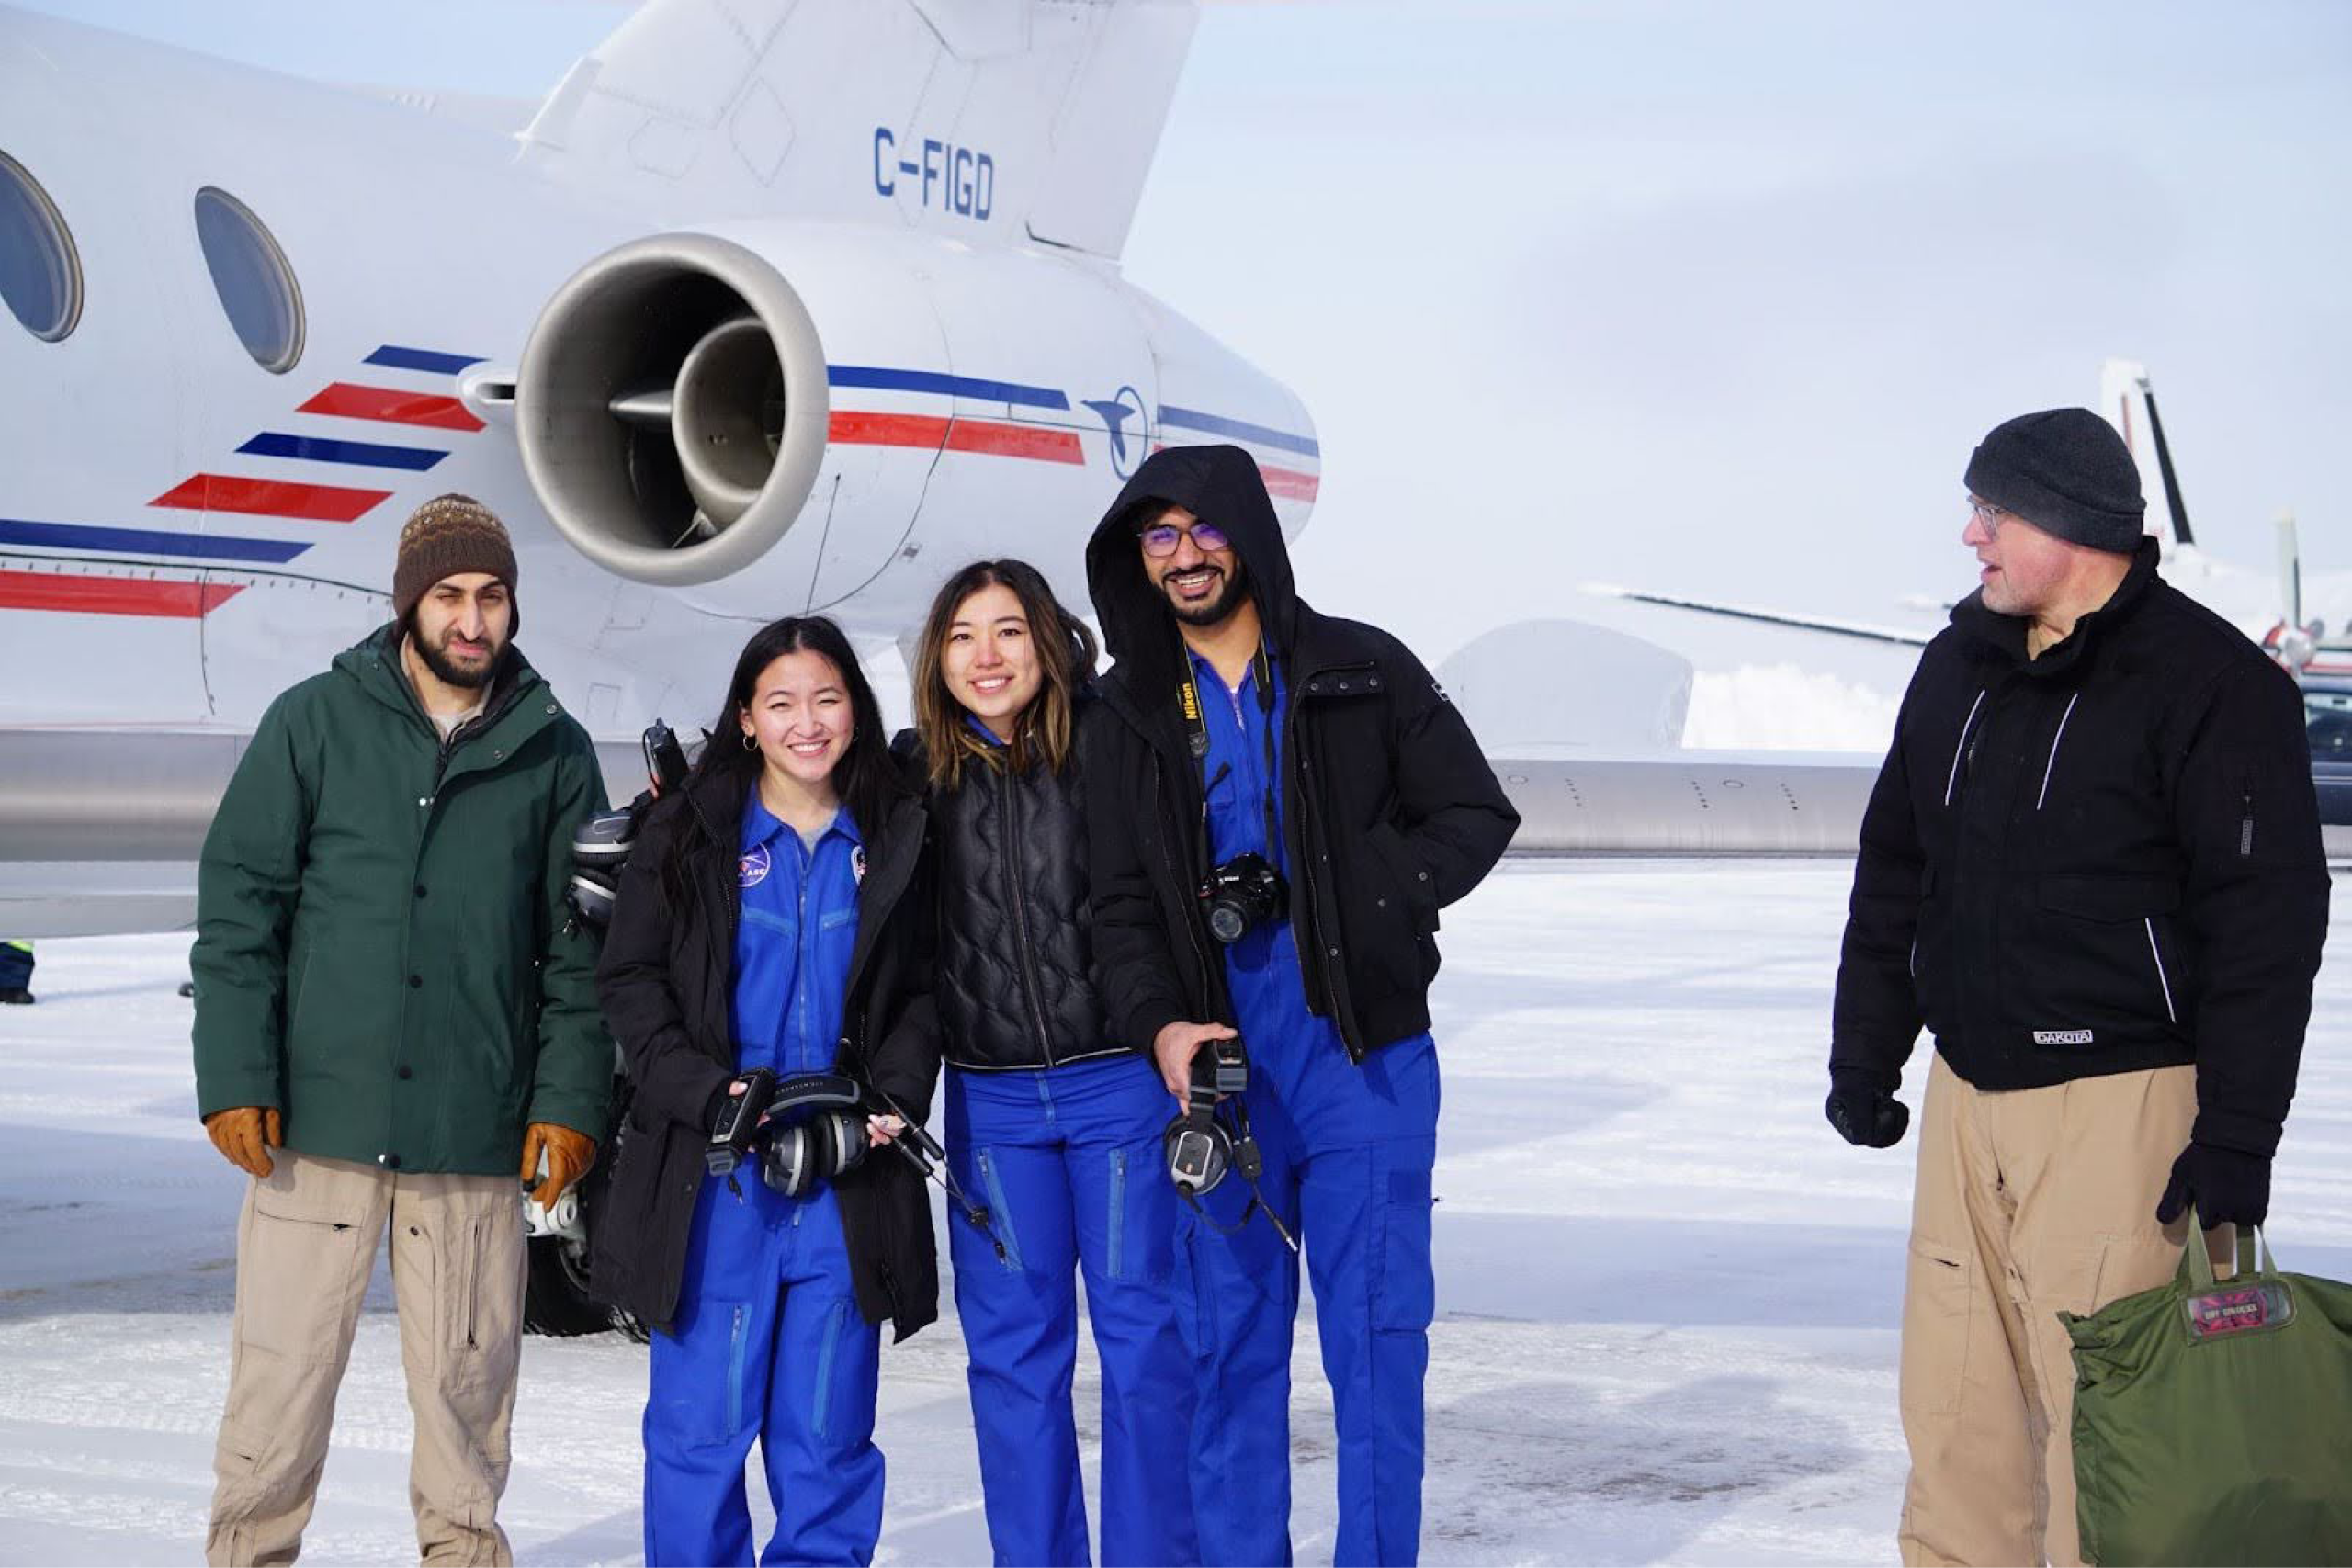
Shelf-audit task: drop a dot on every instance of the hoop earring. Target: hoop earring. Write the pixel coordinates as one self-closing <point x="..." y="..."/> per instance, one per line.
<point x="750" y="742"/>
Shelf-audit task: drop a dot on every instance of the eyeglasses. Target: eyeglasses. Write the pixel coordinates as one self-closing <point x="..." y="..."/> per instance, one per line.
<point x="1159" y="540"/>
<point x="1992" y="516"/>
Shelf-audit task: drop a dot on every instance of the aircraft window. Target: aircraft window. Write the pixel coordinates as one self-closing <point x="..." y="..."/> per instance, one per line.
<point x="41" y="275"/>
<point x="253" y="278"/>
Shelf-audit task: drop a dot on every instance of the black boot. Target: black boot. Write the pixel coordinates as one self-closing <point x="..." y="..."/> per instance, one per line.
<point x="17" y="997"/>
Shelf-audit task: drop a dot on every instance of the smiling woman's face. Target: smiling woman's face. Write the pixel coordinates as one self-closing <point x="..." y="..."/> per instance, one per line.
<point x="989" y="660"/>
<point x="800" y="716"/>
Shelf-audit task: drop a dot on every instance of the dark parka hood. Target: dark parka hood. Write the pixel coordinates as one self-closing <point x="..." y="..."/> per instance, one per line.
<point x="1219" y="485"/>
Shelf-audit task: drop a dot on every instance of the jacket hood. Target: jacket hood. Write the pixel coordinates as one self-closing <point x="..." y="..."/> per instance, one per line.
<point x="1217" y="484"/>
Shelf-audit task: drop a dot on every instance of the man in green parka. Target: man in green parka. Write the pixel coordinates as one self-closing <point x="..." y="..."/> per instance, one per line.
<point x="394" y="1018"/>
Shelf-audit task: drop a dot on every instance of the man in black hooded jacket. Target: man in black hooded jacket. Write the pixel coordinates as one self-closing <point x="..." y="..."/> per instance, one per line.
<point x="1312" y="768"/>
<point x="2092" y="867"/>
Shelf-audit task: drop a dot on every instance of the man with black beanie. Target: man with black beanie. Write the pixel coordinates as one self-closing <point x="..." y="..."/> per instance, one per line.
<point x="2091" y="866"/>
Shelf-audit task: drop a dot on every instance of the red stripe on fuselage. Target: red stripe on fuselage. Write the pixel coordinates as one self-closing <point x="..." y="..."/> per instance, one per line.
<point x="1014" y="441"/>
<point x="985" y="436"/>
<point x="272" y="498"/>
<point x="345" y="400"/>
<point x="1290" y="483"/>
<point x="113" y="595"/>
<point x="887" y="430"/>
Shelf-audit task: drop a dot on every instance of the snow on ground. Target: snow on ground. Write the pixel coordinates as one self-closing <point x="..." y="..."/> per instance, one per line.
<point x="1758" y="707"/>
<point x="1667" y="1293"/>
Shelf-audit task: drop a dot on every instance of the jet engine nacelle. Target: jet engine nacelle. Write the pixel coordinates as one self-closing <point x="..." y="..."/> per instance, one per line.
<point x="672" y="408"/>
<point x="775" y="415"/>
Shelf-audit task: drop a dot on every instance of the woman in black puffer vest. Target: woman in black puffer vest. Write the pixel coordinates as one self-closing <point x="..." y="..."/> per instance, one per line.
<point x="1051" y="1125"/>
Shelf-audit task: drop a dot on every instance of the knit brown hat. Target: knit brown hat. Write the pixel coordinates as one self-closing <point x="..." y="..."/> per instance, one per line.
<point x="448" y="534"/>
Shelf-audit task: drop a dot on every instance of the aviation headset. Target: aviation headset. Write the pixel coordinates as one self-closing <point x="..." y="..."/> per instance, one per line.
<point x="814" y="1129"/>
<point x="1201" y="1149"/>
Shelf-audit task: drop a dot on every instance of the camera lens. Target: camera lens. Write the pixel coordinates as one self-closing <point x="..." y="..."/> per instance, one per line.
<point x="1226" y="922"/>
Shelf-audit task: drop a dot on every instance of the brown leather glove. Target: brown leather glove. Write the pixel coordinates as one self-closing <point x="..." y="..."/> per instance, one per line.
<point x="245" y="1135"/>
<point x="569" y="1156"/>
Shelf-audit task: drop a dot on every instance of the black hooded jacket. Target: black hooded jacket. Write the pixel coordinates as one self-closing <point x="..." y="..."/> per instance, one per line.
<point x="666" y="980"/>
<point x="1389" y="809"/>
<point x="2102" y="860"/>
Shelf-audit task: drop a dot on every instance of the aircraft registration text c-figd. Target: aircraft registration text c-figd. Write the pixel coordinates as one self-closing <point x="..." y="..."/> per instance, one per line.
<point x="965" y="179"/>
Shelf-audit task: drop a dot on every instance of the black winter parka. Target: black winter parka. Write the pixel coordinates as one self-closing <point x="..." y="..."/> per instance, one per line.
<point x="1389" y="809"/>
<point x="1016" y="981"/>
<point x="2101" y="860"/>
<point x="666" y="979"/>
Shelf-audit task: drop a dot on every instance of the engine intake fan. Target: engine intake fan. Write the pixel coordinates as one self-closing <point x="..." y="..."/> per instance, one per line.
<point x="672" y="409"/>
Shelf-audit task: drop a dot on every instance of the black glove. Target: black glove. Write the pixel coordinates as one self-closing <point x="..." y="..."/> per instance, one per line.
<point x="2228" y="1187"/>
<point x="1862" y="1112"/>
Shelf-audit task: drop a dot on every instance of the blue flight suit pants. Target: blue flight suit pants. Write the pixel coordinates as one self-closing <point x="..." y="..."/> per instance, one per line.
<point x="1348" y="1153"/>
<point x="768" y="1344"/>
<point x="1067" y="1162"/>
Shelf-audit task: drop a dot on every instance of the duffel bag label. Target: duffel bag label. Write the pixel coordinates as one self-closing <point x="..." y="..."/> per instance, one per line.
<point x="2216" y="1314"/>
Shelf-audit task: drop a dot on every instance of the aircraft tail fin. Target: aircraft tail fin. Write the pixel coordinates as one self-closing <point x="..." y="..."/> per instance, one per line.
<point x="1006" y="120"/>
<point x="2129" y="402"/>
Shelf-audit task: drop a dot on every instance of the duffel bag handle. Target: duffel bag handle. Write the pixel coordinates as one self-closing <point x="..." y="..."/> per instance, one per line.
<point x="2253" y="1253"/>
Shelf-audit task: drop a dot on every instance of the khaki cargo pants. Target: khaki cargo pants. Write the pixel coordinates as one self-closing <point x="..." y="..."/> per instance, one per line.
<point x="306" y="1244"/>
<point x="2028" y="1202"/>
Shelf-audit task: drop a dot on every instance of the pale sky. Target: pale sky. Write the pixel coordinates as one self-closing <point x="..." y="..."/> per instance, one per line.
<point x="1710" y="297"/>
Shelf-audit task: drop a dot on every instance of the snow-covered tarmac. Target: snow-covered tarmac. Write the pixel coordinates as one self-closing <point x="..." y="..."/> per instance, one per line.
<point x="1667" y="1292"/>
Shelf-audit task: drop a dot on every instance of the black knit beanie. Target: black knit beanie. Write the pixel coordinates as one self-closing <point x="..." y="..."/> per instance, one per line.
<point x="2065" y="471"/>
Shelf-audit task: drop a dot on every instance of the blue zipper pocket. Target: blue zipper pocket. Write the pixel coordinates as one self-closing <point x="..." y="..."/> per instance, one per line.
<point x="735" y="1375"/>
<point x="1115" y="1266"/>
<point x="821" y="1404"/>
<point x="1000" y="1211"/>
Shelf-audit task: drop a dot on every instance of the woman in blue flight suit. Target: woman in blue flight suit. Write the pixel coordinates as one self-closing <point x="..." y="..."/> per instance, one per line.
<point x="1051" y="1125"/>
<point x="772" y="918"/>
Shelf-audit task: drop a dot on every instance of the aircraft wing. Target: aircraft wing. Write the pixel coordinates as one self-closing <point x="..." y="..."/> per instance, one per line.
<point x="1768" y="617"/>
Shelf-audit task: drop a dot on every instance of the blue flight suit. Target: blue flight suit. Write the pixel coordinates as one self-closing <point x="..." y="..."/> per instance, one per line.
<point x="1068" y="1161"/>
<point x="769" y="1342"/>
<point x="1348" y="1152"/>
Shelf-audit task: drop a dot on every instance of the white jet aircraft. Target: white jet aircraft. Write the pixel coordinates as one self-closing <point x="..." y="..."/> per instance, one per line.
<point x="770" y="307"/>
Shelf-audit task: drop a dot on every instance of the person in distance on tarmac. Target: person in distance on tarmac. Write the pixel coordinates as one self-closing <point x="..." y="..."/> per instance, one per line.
<point x="16" y="971"/>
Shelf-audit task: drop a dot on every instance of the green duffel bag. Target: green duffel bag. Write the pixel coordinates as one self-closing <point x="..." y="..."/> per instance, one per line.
<point x="2213" y="1421"/>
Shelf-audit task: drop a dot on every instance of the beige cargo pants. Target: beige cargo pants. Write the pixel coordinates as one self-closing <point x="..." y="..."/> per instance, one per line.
<point x="2028" y="1202"/>
<point x="306" y="1244"/>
